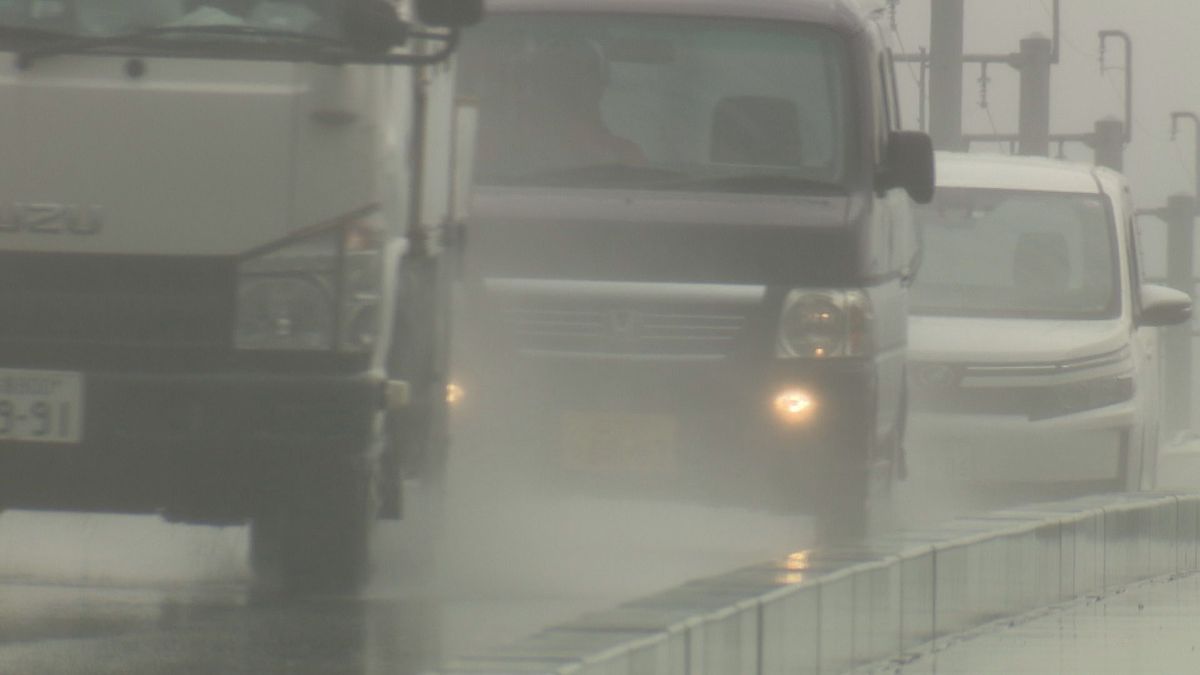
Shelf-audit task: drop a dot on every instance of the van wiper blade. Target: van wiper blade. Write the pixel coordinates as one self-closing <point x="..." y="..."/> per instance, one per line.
<point x="83" y="43"/>
<point x="761" y="182"/>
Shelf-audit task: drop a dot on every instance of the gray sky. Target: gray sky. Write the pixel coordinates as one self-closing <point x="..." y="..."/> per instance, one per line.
<point x="1166" y="44"/>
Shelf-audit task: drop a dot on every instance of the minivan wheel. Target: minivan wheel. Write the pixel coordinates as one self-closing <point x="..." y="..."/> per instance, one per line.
<point x="1133" y="464"/>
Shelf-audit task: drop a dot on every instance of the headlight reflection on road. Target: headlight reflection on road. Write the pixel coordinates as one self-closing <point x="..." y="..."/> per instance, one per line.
<point x="794" y="568"/>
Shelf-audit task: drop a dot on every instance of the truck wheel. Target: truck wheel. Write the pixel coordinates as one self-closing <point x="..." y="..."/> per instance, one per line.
<point x="318" y="538"/>
<point x="419" y="434"/>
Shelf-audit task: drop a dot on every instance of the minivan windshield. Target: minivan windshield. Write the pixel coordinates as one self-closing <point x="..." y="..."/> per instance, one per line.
<point x="658" y="103"/>
<point x="998" y="253"/>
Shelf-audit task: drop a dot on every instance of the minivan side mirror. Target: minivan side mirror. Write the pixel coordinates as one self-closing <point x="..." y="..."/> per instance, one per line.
<point x="1163" y="306"/>
<point x="910" y="165"/>
<point x="450" y="13"/>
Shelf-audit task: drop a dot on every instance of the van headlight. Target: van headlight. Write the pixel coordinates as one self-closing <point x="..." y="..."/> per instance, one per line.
<point x="317" y="292"/>
<point x="828" y="323"/>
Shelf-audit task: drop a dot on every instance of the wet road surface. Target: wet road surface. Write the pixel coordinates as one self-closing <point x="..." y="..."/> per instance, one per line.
<point x="100" y="594"/>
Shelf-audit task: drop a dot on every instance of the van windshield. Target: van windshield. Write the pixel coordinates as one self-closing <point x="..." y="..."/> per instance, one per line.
<point x="1016" y="254"/>
<point x="658" y="103"/>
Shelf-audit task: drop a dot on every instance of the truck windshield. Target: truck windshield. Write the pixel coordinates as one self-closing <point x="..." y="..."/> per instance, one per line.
<point x="995" y="253"/>
<point x="658" y="103"/>
<point x="39" y="19"/>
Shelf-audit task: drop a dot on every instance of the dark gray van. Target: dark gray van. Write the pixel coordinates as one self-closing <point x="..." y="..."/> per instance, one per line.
<point x="690" y="246"/>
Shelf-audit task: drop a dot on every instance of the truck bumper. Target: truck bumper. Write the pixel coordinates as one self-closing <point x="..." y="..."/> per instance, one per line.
<point x="195" y="447"/>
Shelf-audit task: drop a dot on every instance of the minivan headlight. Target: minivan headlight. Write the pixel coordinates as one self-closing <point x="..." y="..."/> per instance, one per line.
<point x="320" y="292"/>
<point x="827" y="323"/>
<point x="1077" y="397"/>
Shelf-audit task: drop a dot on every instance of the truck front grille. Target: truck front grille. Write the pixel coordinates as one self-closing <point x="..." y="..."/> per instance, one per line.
<point x="132" y="301"/>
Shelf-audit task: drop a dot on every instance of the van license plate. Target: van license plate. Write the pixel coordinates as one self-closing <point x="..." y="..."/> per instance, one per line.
<point x="619" y="442"/>
<point x="41" y="406"/>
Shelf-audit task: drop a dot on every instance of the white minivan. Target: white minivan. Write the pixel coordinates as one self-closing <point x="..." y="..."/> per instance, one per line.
<point x="1034" y="341"/>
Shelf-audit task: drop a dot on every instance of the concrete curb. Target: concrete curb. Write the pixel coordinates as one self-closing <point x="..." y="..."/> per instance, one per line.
<point x="829" y="611"/>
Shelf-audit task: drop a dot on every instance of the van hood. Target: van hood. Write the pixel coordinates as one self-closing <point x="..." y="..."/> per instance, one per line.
<point x="195" y="156"/>
<point x="641" y="235"/>
<point x="956" y="340"/>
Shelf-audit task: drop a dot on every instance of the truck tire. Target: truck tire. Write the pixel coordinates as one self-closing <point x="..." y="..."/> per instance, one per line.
<point x="419" y="434"/>
<point x="317" y="537"/>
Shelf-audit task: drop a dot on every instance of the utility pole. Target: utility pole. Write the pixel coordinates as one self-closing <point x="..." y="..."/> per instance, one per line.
<point x="1034" y="61"/>
<point x="946" y="74"/>
<point x="1185" y="115"/>
<point x="1180" y="216"/>
<point x="1108" y="143"/>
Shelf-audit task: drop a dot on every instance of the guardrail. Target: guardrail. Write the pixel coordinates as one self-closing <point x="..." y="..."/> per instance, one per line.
<point x="830" y="611"/>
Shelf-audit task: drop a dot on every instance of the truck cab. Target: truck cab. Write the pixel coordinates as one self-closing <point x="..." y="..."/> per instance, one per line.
<point x="221" y="263"/>
<point x="691" y="244"/>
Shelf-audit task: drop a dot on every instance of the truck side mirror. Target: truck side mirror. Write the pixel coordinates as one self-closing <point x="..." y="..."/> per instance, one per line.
<point x="910" y="165"/>
<point x="450" y="13"/>
<point x="1163" y="306"/>
<point x="373" y="25"/>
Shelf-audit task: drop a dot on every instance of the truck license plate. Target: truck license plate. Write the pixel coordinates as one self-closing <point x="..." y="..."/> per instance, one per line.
<point x="41" y="406"/>
<point x="619" y="442"/>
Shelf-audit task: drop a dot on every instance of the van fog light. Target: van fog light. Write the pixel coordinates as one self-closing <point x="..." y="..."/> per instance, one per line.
<point x="794" y="406"/>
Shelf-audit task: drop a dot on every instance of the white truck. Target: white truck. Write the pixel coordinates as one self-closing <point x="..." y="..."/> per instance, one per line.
<point x="226" y="228"/>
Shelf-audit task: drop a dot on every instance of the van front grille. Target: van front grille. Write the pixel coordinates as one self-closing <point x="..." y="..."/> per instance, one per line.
<point x="622" y="332"/>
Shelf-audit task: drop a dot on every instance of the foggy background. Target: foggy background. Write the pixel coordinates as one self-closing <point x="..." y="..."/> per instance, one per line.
<point x="512" y="559"/>
<point x="1165" y="55"/>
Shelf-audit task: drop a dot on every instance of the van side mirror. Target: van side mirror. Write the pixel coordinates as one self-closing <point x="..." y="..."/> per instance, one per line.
<point x="450" y="13"/>
<point x="1163" y="306"/>
<point x="909" y="164"/>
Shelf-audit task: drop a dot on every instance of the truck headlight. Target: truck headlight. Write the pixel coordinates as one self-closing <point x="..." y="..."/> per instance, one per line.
<point x="319" y="292"/>
<point x="824" y="324"/>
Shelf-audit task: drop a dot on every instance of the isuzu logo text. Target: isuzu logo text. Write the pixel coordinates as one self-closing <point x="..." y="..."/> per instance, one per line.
<point x="47" y="218"/>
